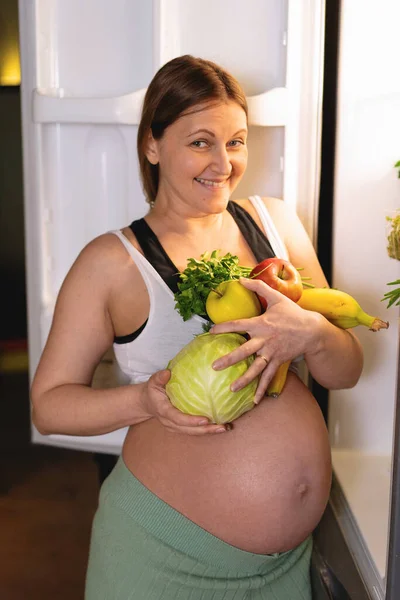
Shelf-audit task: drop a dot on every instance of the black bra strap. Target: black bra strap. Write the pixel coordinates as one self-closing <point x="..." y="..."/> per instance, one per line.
<point x="159" y="259"/>
<point x="155" y="253"/>
<point x="253" y="235"/>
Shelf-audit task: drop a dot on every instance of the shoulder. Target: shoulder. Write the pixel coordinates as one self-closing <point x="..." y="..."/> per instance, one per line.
<point x="273" y="205"/>
<point x="283" y="216"/>
<point x="107" y="250"/>
<point x="294" y="236"/>
<point x="106" y="247"/>
<point x="101" y="264"/>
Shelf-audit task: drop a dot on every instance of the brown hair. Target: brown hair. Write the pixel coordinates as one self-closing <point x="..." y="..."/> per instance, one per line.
<point x="181" y="83"/>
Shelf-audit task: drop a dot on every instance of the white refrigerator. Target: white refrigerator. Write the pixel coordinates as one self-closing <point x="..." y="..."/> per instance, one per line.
<point x="85" y="67"/>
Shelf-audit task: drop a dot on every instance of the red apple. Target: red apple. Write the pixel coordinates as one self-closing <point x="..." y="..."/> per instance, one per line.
<point x="281" y="275"/>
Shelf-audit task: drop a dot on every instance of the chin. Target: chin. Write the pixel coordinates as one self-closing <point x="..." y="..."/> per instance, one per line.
<point x="220" y="201"/>
<point x="213" y="201"/>
<point x="216" y="206"/>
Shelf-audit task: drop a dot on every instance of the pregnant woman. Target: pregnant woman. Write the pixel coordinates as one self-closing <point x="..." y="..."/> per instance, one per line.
<point x="194" y="510"/>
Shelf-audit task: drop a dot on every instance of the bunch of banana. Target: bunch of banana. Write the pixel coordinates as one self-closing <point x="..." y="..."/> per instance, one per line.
<point x="340" y="309"/>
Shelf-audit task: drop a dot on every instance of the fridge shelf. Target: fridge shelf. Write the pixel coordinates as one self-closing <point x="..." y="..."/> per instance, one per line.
<point x="52" y="107"/>
<point x="268" y="109"/>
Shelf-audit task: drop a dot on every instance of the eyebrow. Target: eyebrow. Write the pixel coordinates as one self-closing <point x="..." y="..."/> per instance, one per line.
<point x="213" y="134"/>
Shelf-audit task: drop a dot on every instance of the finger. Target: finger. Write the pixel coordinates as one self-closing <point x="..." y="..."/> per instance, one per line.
<point x="178" y="418"/>
<point x="192" y="424"/>
<point x="244" y="351"/>
<point x="238" y="326"/>
<point x="262" y="289"/>
<point x="255" y="369"/>
<point x="264" y="382"/>
<point x="202" y="430"/>
<point x="161" y="378"/>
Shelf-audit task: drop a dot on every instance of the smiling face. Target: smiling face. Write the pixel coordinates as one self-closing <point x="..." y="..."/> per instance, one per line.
<point x="202" y="157"/>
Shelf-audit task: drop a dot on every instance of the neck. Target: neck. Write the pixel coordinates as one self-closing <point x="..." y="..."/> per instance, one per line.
<point x="182" y="219"/>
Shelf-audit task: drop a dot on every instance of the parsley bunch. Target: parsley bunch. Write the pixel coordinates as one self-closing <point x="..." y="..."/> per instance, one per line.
<point x="202" y="276"/>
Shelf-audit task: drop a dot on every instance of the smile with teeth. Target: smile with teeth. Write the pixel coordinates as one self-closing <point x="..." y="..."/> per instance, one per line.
<point x="218" y="184"/>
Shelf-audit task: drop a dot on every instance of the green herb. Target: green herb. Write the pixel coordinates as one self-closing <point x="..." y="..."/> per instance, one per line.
<point x="202" y="276"/>
<point x="207" y="326"/>
<point x="393" y="296"/>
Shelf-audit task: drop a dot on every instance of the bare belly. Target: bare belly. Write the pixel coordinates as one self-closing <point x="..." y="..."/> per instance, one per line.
<point x="262" y="487"/>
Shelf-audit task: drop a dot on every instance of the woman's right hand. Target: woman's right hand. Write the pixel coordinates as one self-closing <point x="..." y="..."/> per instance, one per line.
<point x="156" y="404"/>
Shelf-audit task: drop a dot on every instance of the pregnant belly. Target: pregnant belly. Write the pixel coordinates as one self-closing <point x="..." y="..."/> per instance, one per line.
<point x="262" y="487"/>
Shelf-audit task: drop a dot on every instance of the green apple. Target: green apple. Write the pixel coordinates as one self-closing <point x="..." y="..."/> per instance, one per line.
<point x="230" y="301"/>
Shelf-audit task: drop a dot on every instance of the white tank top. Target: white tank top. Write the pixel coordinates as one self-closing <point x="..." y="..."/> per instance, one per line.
<point x="165" y="332"/>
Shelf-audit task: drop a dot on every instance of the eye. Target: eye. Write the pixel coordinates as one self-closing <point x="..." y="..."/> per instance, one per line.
<point x="236" y="143"/>
<point x="199" y="144"/>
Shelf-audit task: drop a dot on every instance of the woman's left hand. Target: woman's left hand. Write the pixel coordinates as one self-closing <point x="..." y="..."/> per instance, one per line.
<point x="283" y="332"/>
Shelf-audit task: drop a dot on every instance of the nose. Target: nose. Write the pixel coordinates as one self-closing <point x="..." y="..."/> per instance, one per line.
<point x="221" y="162"/>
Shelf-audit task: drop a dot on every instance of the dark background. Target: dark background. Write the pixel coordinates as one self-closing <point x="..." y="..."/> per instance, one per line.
<point x="12" y="262"/>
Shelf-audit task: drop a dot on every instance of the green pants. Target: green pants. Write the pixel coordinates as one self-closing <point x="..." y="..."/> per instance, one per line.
<point x="142" y="549"/>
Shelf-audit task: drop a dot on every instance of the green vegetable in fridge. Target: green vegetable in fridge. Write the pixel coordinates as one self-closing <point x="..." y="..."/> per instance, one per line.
<point x="393" y="250"/>
<point x="195" y="388"/>
<point x="393" y="238"/>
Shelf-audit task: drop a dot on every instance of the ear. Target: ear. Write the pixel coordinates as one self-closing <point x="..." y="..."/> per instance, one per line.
<point x="151" y="149"/>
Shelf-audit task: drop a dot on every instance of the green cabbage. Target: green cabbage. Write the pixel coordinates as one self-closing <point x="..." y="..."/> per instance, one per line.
<point x="195" y="388"/>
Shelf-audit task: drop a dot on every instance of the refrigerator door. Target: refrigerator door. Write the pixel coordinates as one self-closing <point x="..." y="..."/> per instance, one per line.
<point x="85" y="68"/>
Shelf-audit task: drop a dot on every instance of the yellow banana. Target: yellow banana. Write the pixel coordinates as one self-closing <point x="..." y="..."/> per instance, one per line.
<point x="339" y="308"/>
<point x="278" y="381"/>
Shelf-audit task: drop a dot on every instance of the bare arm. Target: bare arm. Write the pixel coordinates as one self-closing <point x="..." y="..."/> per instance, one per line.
<point x="82" y="331"/>
<point x="333" y="356"/>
